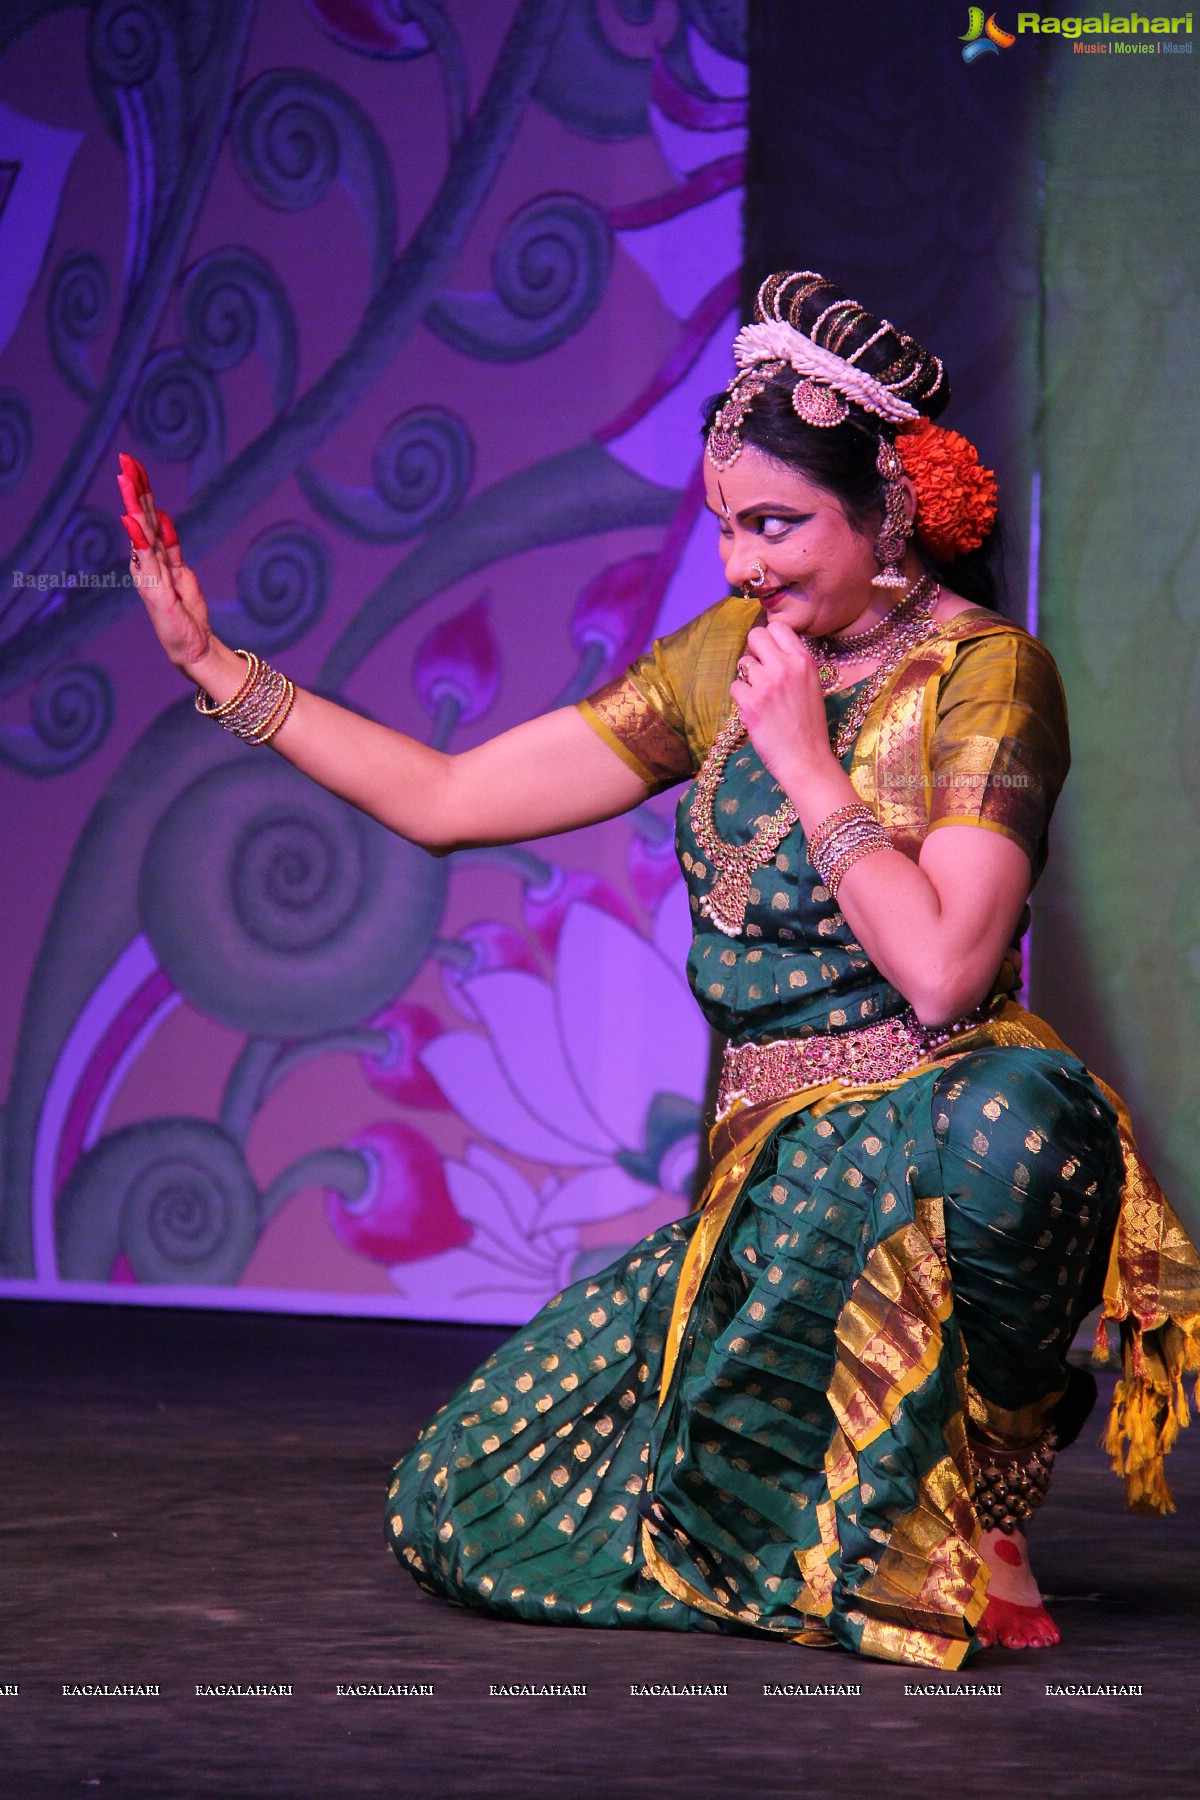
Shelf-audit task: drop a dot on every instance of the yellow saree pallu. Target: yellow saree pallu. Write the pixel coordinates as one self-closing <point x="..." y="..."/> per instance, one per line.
<point x="757" y="1420"/>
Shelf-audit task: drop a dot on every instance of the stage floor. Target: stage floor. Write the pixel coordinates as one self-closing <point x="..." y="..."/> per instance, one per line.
<point x="195" y="1498"/>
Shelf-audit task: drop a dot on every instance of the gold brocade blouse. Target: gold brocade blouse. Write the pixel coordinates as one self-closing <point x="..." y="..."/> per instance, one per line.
<point x="972" y="729"/>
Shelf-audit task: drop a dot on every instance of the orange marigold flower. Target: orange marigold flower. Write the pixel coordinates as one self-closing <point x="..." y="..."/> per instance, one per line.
<point x="956" y="495"/>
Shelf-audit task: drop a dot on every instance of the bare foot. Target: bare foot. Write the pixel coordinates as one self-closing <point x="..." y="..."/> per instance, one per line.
<point x="1014" y="1616"/>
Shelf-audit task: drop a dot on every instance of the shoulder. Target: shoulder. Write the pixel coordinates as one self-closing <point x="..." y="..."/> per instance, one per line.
<point x="1000" y="696"/>
<point x="994" y="658"/>
<point x="720" y="627"/>
<point x="698" y="662"/>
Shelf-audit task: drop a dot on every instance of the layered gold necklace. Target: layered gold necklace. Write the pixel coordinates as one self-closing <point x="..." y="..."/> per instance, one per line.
<point x="733" y="865"/>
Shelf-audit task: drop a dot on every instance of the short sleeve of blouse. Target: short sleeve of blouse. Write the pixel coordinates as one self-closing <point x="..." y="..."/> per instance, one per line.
<point x="1000" y="749"/>
<point x="661" y="714"/>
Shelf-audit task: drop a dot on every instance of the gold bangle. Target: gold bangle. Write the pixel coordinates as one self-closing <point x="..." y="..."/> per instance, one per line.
<point x="277" y="718"/>
<point x="260" y="705"/>
<point x="227" y="706"/>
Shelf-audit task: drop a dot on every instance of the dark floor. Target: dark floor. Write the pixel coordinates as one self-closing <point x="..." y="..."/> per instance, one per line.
<point x="192" y="1497"/>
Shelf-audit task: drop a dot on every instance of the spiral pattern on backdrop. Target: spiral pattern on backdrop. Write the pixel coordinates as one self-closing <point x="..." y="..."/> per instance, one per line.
<point x="16" y="441"/>
<point x="70" y="717"/>
<point x="125" y="40"/>
<point x="77" y="313"/>
<point x="550" y="270"/>
<point x="233" y="303"/>
<point x="280" y="910"/>
<point x="72" y="712"/>
<point x="285" y="141"/>
<point x="176" y="410"/>
<point x="423" y="463"/>
<point x="296" y="882"/>
<point x="283" y="585"/>
<point x="174" y="1195"/>
<point x="295" y="133"/>
<point x="553" y="260"/>
<point x="220" y="318"/>
<point x="93" y="542"/>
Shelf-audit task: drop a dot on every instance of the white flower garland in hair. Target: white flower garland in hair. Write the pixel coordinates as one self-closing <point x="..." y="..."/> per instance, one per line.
<point x="779" y="342"/>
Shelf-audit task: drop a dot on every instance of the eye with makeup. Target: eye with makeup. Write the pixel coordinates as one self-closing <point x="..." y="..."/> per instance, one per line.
<point x="766" y="524"/>
<point x="777" y="525"/>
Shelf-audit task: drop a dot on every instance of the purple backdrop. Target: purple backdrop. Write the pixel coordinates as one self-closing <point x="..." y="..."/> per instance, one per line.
<point x="409" y="310"/>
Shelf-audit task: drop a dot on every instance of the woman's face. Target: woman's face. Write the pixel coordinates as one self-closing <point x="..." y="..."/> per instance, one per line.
<point x="818" y="568"/>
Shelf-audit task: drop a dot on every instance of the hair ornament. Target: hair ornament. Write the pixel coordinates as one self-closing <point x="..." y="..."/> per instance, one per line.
<point x="956" y="495"/>
<point x="724" y="440"/>
<point x="778" y="342"/>
<point x="817" y="404"/>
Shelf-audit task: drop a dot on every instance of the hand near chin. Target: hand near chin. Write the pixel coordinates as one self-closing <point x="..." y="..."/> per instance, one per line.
<point x="778" y="693"/>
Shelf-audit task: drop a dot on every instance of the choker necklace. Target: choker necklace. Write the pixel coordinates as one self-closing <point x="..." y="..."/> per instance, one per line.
<point x="733" y="865"/>
<point x="830" y="652"/>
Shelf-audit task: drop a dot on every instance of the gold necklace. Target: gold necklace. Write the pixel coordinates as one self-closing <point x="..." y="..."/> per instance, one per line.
<point x="829" y="652"/>
<point x="734" y="864"/>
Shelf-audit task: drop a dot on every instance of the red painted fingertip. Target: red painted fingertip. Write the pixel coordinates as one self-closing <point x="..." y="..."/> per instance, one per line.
<point x="132" y="468"/>
<point x="167" y="531"/>
<point x="129" y="493"/>
<point x="137" y="536"/>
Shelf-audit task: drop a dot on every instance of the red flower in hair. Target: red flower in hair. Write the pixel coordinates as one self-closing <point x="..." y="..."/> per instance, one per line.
<point x="956" y="495"/>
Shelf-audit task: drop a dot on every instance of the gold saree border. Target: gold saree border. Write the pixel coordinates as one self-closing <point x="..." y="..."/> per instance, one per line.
<point x="931" y="1573"/>
<point x="930" y="1584"/>
<point x="735" y="1142"/>
<point x="628" y="722"/>
<point x="680" y="1588"/>
<point x="890" y="769"/>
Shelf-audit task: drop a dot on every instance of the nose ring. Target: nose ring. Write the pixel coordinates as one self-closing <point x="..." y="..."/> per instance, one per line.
<point x="757" y="575"/>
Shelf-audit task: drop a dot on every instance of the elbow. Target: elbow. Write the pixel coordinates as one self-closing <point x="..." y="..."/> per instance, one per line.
<point x="424" y="834"/>
<point x="432" y="816"/>
<point x="434" y="843"/>
<point x="942" y="995"/>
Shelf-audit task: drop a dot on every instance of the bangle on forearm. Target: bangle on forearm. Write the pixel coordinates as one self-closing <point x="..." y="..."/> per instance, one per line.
<point x="843" y="838"/>
<point x="260" y="705"/>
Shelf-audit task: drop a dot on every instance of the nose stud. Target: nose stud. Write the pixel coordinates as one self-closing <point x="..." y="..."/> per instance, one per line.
<point x="757" y="576"/>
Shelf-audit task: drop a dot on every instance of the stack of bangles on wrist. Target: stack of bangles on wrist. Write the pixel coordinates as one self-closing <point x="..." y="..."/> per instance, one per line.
<point x="260" y="705"/>
<point x="843" y="838"/>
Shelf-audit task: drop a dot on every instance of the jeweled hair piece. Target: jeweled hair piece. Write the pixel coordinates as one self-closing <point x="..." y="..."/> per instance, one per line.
<point x="829" y="382"/>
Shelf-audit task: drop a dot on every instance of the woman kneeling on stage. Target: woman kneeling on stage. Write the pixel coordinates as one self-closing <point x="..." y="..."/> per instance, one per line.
<point x="825" y="1404"/>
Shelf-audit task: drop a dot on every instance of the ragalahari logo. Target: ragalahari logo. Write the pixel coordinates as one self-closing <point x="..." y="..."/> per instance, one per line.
<point x="984" y="38"/>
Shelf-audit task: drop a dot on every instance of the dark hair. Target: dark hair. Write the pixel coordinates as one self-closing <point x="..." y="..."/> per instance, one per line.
<point x="841" y="458"/>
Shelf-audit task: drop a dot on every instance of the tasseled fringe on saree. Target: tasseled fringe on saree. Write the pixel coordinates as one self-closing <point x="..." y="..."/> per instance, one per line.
<point x="1150" y="1406"/>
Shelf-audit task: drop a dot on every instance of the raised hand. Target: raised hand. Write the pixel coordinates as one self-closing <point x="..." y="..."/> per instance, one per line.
<point x="778" y="693"/>
<point x="169" y="589"/>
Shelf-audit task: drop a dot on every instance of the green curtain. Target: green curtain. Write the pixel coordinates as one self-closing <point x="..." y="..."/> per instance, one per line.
<point x="1116" y="962"/>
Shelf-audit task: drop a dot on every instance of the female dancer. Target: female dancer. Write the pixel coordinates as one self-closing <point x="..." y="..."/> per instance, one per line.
<point x="822" y="1406"/>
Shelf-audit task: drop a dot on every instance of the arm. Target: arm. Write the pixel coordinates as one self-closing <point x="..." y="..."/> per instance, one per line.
<point x="551" y="774"/>
<point x="937" y="929"/>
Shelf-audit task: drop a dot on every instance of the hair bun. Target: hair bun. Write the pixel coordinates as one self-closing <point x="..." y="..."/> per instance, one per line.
<point x="816" y="306"/>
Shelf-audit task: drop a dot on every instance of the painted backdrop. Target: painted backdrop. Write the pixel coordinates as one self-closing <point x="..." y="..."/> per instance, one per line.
<point x="409" y="309"/>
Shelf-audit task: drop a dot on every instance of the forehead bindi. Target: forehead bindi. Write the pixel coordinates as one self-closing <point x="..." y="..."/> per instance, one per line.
<point x="756" y="485"/>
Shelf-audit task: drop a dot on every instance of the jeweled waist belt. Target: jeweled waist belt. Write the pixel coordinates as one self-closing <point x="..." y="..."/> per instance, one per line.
<point x="758" y="1073"/>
